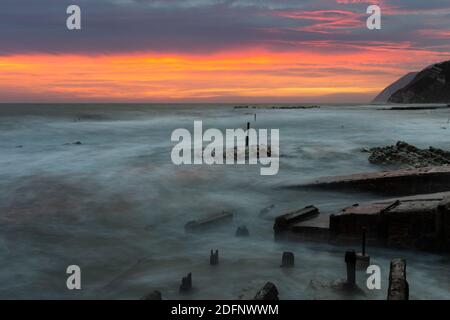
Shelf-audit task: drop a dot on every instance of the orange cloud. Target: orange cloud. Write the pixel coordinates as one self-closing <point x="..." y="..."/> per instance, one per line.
<point x="252" y="74"/>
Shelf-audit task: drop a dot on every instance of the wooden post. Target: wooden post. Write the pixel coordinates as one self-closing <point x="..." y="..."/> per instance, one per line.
<point x="350" y="260"/>
<point x="214" y="258"/>
<point x="186" y="283"/>
<point x="398" y="286"/>
<point x="287" y="260"/>
<point x="246" y="138"/>
<point x="363" y="241"/>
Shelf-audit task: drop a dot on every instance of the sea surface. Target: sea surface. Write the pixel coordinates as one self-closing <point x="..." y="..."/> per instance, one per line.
<point x="116" y="205"/>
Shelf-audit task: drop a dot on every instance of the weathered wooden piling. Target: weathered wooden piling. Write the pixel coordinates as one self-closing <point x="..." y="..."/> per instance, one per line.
<point x="186" y="283"/>
<point x="288" y="259"/>
<point x="362" y="259"/>
<point x="268" y="292"/>
<point x="246" y="137"/>
<point x="398" y="286"/>
<point x="350" y="260"/>
<point x="209" y="222"/>
<point x="214" y="258"/>
<point x="363" y="241"/>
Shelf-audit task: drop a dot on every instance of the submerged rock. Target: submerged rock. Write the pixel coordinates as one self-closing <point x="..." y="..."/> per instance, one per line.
<point x="242" y="231"/>
<point x="403" y="154"/>
<point x="155" y="295"/>
<point x="268" y="292"/>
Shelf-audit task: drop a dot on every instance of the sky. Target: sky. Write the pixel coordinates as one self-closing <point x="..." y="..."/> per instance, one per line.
<point x="290" y="51"/>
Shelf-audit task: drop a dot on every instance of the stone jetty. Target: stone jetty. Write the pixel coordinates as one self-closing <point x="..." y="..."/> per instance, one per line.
<point x="400" y="182"/>
<point x="415" y="222"/>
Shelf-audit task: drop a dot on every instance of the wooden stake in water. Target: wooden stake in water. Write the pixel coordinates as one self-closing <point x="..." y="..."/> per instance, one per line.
<point x="214" y="258"/>
<point x="398" y="286"/>
<point x="246" y="138"/>
<point x="363" y="241"/>
<point x="350" y="260"/>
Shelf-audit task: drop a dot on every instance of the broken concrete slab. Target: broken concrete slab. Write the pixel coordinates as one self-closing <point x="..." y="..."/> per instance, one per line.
<point x="289" y="219"/>
<point x="415" y="222"/>
<point x="419" y="222"/>
<point x="209" y="222"/>
<point x="400" y="182"/>
<point x="315" y="228"/>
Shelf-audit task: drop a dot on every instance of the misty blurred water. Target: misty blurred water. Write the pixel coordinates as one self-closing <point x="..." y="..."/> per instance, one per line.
<point x="116" y="205"/>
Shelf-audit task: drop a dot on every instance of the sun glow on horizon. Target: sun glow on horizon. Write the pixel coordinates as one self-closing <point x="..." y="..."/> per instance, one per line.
<point x="223" y="76"/>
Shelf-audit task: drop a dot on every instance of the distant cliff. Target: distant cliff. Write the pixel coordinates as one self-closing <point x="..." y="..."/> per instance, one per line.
<point x="431" y="85"/>
<point x="385" y="95"/>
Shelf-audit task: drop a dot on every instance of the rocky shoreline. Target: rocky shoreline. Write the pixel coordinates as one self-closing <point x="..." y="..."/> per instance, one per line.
<point x="404" y="155"/>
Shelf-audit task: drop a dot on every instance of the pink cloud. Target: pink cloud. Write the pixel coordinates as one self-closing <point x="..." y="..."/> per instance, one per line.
<point x="325" y="21"/>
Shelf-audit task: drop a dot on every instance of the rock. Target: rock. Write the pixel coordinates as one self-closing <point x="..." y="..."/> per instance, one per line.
<point x="431" y="85"/>
<point x="405" y="155"/>
<point x="186" y="283"/>
<point x="268" y="292"/>
<point x="242" y="231"/>
<point x="287" y="260"/>
<point x="155" y="295"/>
<point x="384" y="96"/>
<point x="73" y="143"/>
<point x="398" y="286"/>
<point x="266" y="210"/>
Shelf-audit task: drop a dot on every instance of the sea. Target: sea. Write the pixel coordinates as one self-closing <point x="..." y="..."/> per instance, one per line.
<point x="93" y="185"/>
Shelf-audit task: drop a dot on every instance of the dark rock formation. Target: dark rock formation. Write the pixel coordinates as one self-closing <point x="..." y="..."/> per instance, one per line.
<point x="268" y="292"/>
<point x="403" y="154"/>
<point x="384" y="95"/>
<point x="431" y="85"/>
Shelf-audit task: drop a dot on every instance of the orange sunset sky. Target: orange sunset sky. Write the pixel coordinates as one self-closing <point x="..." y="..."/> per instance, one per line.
<point x="215" y="51"/>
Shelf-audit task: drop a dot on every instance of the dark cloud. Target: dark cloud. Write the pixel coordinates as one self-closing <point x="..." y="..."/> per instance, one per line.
<point x="199" y="26"/>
